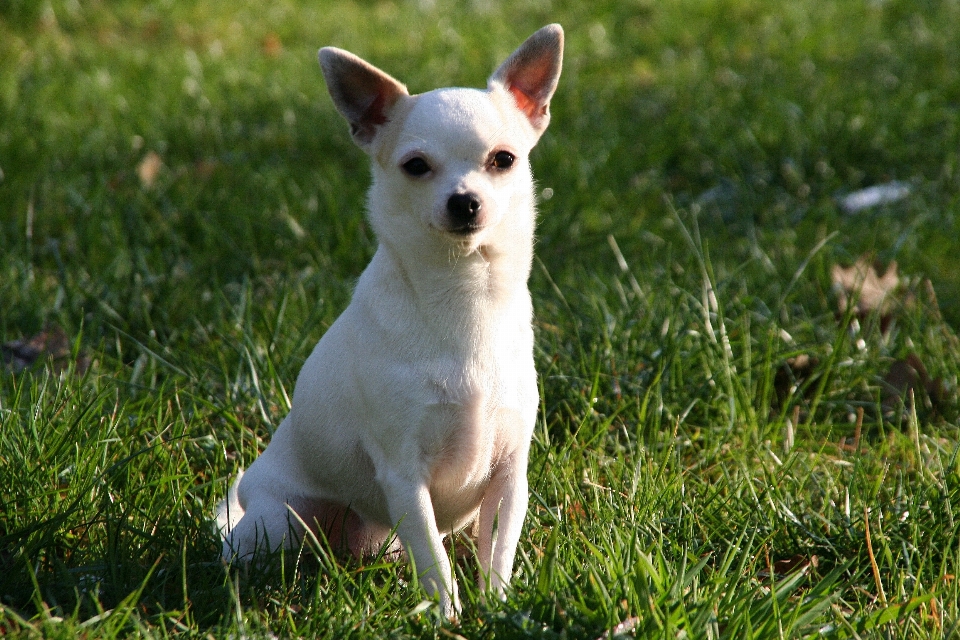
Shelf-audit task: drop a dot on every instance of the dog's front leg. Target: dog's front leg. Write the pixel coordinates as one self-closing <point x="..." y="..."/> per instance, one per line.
<point x="504" y="504"/>
<point x="411" y="506"/>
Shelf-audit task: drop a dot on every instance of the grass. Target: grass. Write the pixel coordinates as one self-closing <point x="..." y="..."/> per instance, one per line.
<point x="684" y="478"/>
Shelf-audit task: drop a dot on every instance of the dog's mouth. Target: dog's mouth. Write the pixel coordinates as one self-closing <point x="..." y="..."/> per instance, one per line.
<point x="466" y="234"/>
<point x="464" y="230"/>
<point x="465" y="240"/>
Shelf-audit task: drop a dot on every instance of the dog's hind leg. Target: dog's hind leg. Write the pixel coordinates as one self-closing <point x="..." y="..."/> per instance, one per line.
<point x="262" y="495"/>
<point x="345" y="530"/>
<point x="266" y="525"/>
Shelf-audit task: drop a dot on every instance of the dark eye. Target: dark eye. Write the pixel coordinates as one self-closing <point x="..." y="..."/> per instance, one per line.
<point x="503" y="159"/>
<point x="416" y="167"/>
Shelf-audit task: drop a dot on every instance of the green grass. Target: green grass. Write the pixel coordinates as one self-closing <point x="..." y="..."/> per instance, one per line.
<point x="695" y="159"/>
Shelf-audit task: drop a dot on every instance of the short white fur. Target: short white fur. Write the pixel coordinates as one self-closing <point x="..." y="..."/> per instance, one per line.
<point x="416" y="408"/>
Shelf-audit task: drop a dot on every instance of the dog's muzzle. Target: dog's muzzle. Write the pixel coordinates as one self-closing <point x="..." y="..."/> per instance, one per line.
<point x="464" y="211"/>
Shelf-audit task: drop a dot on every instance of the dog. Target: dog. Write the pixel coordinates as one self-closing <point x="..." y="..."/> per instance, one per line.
<point x="414" y="413"/>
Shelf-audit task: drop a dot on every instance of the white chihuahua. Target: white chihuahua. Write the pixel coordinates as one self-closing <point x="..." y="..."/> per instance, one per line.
<point x="416" y="409"/>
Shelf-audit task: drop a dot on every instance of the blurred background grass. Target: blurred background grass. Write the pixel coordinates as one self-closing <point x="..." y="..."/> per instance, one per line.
<point x="758" y="114"/>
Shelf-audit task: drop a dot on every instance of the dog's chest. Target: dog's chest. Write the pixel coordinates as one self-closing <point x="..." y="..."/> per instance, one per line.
<point x="469" y="432"/>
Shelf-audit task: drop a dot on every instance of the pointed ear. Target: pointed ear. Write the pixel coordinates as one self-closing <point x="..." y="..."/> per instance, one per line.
<point x="362" y="93"/>
<point x="531" y="73"/>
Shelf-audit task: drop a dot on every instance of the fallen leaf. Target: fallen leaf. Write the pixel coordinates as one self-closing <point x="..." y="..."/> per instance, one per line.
<point x="149" y="169"/>
<point x="272" y="45"/>
<point x="205" y="169"/>
<point x="575" y="511"/>
<point x="787" y="566"/>
<point x="909" y="375"/>
<point x="50" y="344"/>
<point x="862" y="289"/>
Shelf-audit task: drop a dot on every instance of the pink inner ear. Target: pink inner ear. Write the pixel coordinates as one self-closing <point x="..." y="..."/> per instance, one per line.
<point x="376" y="113"/>
<point x="525" y="103"/>
<point x="527" y="81"/>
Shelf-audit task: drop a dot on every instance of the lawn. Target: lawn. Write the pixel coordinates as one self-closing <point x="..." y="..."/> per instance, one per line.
<point x="737" y="437"/>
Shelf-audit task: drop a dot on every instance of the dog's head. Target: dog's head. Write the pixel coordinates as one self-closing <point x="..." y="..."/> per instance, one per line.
<point x="456" y="160"/>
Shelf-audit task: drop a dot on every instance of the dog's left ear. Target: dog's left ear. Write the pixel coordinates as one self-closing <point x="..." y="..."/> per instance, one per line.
<point x="531" y="74"/>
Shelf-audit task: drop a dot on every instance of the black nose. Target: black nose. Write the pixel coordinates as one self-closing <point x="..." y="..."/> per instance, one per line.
<point x="463" y="209"/>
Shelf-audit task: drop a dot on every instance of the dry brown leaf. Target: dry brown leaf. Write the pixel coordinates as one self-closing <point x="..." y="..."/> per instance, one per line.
<point x="575" y="511"/>
<point x="205" y="168"/>
<point x="906" y="376"/>
<point x="787" y="566"/>
<point x="865" y="288"/>
<point x="272" y="45"/>
<point x="149" y="169"/>
<point x="50" y="344"/>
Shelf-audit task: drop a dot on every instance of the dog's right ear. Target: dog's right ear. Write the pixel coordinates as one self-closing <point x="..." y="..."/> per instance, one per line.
<point x="531" y="74"/>
<point x="362" y="93"/>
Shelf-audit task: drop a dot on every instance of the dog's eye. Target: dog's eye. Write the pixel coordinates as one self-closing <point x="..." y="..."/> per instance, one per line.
<point x="416" y="167"/>
<point x="503" y="160"/>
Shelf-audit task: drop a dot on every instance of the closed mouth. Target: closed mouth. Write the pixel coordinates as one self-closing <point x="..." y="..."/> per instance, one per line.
<point x="465" y="229"/>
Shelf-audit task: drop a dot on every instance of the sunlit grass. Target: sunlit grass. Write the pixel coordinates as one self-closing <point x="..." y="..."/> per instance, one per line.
<point x="177" y="193"/>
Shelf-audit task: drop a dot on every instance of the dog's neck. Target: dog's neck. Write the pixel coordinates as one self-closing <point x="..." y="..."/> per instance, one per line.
<point x="445" y="279"/>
